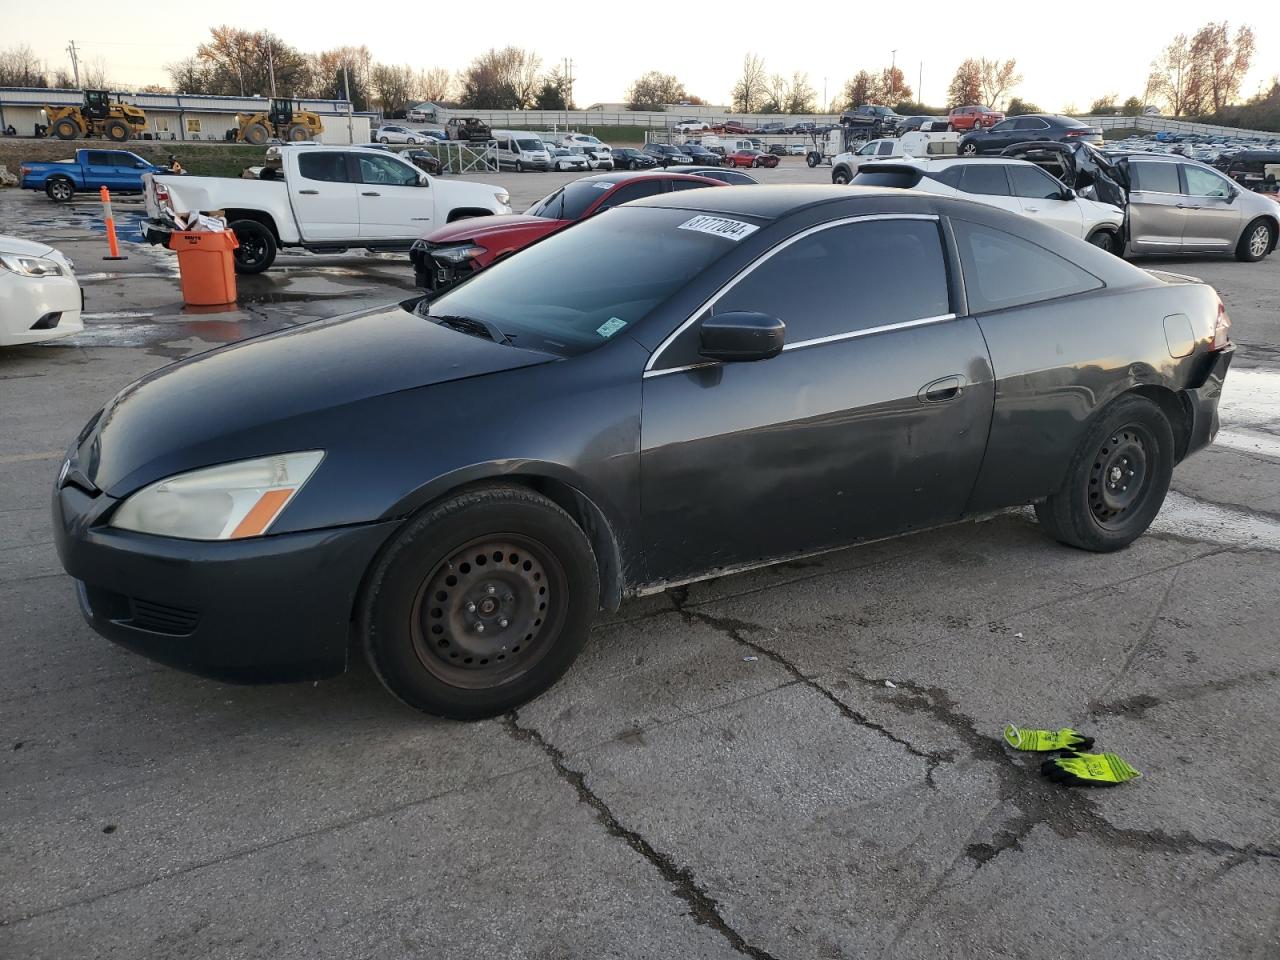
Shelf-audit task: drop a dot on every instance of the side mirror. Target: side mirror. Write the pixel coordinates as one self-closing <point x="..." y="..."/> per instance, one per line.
<point x="741" y="336"/>
<point x="424" y="180"/>
<point x="1068" y="194"/>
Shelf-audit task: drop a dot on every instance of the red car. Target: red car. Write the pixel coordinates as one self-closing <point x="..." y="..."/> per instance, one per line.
<point x="750" y="158"/>
<point x="736" y="126"/>
<point x="971" y="118"/>
<point x="454" y="252"/>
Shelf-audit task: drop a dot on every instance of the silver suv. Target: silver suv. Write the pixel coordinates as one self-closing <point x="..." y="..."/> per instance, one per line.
<point x="1178" y="205"/>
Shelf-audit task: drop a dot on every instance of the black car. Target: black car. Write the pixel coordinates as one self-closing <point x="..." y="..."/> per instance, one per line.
<point x="873" y="119"/>
<point x="1252" y="169"/>
<point x="681" y="386"/>
<point x="701" y="155"/>
<point x="424" y="161"/>
<point x="629" y="158"/>
<point x="665" y="154"/>
<point x="1032" y="126"/>
<point x="909" y="124"/>
<point x="729" y="175"/>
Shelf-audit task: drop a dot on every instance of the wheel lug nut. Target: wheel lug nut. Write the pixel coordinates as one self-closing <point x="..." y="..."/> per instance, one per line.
<point x="507" y="598"/>
<point x="503" y="623"/>
<point x="479" y="628"/>
<point x="491" y="589"/>
<point x="471" y="607"/>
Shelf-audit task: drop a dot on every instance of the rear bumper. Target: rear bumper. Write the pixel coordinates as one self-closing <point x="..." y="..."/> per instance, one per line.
<point x="251" y="611"/>
<point x="1203" y="403"/>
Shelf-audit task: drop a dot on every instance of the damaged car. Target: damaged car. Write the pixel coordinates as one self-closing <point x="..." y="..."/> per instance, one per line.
<point x="1172" y="204"/>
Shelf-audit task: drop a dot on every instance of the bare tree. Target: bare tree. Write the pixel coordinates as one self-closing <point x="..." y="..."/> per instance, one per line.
<point x="654" y="89"/>
<point x="751" y="88"/>
<point x="93" y="74"/>
<point x="801" y="98"/>
<point x="20" y="67"/>
<point x="506" y="79"/>
<point x="393" y="86"/>
<point x="998" y="78"/>
<point x="1175" y="79"/>
<point x="434" y="84"/>
<point x="1221" y="61"/>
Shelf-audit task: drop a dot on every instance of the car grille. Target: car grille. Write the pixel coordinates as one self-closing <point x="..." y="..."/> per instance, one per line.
<point x="141" y="614"/>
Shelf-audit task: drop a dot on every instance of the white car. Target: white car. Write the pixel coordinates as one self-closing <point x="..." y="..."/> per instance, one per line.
<point x="40" y="298"/>
<point x="585" y="141"/>
<point x="393" y="134"/>
<point x="564" y="160"/>
<point x="1018" y="186"/>
<point x="596" y="159"/>
<point x="796" y="149"/>
<point x="691" y="126"/>
<point x="917" y="143"/>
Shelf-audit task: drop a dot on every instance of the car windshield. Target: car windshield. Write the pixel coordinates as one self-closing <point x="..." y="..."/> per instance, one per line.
<point x="571" y="201"/>
<point x="578" y="288"/>
<point x="530" y="144"/>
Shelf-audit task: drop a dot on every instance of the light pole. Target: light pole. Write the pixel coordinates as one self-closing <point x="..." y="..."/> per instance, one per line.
<point x="893" y="78"/>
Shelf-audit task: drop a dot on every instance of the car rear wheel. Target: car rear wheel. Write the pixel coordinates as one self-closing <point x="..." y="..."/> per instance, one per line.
<point x="1117" y="479"/>
<point x="60" y="189"/>
<point x="969" y="150"/>
<point x="1105" y="239"/>
<point x="257" y="247"/>
<point x="480" y="604"/>
<point x="1255" y="243"/>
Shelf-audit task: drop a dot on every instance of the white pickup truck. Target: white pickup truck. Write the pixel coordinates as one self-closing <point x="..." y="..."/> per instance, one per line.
<point x="323" y="199"/>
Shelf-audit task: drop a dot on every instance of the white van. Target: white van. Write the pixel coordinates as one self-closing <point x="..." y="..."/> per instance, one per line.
<point x="729" y="145"/>
<point x="521" y="150"/>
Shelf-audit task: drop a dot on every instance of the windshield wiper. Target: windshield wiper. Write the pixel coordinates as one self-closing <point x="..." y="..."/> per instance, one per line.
<point x="473" y="326"/>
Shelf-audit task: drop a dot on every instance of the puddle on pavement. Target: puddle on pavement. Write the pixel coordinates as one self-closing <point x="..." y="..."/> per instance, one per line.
<point x="1184" y="516"/>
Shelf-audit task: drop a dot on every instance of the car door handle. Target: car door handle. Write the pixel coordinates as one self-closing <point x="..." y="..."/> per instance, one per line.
<point x="1033" y="209"/>
<point x="370" y="193"/>
<point x="310" y="193"/>
<point x="942" y="389"/>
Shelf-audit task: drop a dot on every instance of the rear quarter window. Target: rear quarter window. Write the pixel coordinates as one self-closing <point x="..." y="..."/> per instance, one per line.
<point x="1002" y="270"/>
<point x="903" y="178"/>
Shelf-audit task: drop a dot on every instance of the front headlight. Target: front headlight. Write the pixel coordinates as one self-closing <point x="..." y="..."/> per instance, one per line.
<point x="227" y="502"/>
<point x="456" y="254"/>
<point x="503" y="198"/>
<point x="31" y="266"/>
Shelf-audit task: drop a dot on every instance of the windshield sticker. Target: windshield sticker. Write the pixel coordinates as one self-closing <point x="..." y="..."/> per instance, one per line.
<point x="734" y="230"/>
<point x="610" y="327"/>
<point x="602" y="185"/>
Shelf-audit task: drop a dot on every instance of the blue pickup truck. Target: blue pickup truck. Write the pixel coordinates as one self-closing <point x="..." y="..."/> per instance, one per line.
<point x="117" y="170"/>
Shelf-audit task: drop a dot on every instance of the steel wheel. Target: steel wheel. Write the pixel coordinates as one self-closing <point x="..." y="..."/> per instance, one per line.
<point x="480" y="618"/>
<point x="1119" y="475"/>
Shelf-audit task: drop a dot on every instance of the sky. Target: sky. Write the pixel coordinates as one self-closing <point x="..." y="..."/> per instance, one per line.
<point x="610" y="44"/>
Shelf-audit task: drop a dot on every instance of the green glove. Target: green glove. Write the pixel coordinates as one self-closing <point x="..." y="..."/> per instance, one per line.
<point x="1045" y="740"/>
<point x="1088" y="770"/>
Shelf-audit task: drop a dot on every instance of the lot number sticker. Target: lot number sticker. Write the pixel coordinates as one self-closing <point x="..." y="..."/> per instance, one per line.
<point x="733" y="230"/>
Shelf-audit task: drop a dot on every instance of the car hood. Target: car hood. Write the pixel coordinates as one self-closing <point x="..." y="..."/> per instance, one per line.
<point x="260" y="396"/>
<point x="479" y="228"/>
<point x="24" y="248"/>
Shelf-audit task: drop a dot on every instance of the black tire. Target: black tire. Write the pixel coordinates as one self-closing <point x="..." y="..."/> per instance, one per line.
<point x="257" y="249"/>
<point x="297" y="133"/>
<point x="117" y="130"/>
<point x="65" y="129"/>
<point x="503" y="558"/>
<point x="1104" y="238"/>
<point x="1256" y="241"/>
<point x="813" y="158"/>
<point x="1130" y="442"/>
<point x="257" y="134"/>
<point x="383" y="140"/>
<point x="634" y="165"/>
<point x="840" y="175"/>
<point x="60" y="189"/>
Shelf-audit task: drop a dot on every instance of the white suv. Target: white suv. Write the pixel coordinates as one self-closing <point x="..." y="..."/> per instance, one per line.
<point x="1018" y="186"/>
<point x="395" y="134"/>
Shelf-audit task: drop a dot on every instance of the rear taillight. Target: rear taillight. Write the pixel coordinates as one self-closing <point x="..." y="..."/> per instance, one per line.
<point x="162" y="194"/>
<point x="1077" y="133"/>
<point x="1221" y="329"/>
<point x="24" y="170"/>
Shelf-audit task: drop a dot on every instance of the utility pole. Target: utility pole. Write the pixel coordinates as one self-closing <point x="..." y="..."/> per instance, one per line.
<point x="920" y="84"/>
<point x="346" y="91"/>
<point x="826" y="104"/>
<point x="75" y="61"/>
<point x="271" y="69"/>
<point x="893" y="77"/>
<point x="568" y="77"/>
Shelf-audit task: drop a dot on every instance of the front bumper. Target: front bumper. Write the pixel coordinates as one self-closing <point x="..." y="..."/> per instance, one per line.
<point x="259" y="610"/>
<point x="38" y="308"/>
<point x="1203" y="402"/>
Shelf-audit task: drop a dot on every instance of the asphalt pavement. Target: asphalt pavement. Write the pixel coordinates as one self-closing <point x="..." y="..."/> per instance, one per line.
<point x="801" y="762"/>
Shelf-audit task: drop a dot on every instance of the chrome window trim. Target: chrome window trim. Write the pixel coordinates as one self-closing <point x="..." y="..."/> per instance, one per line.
<point x="751" y="267"/>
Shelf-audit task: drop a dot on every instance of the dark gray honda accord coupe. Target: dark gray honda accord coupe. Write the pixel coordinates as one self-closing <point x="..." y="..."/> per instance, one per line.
<point x="683" y="386"/>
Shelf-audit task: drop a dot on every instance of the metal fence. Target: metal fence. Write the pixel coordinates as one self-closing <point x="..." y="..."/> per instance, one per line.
<point x="1160" y="124"/>
<point x="556" y="120"/>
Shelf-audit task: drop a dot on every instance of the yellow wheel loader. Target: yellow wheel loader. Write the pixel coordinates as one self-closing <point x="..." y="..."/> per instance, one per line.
<point x="97" y="117"/>
<point x="283" y="122"/>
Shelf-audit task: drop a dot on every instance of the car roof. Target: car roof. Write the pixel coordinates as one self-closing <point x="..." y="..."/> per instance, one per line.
<point x="938" y="163"/>
<point x="769" y="202"/>
<point x="621" y="176"/>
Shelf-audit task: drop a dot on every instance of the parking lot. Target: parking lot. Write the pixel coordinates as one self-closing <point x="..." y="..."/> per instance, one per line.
<point x="801" y="762"/>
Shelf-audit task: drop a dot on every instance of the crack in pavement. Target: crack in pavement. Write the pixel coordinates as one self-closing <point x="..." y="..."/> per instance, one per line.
<point x="735" y="630"/>
<point x="702" y="906"/>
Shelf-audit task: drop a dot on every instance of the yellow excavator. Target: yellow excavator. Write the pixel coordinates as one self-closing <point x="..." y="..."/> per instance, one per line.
<point x="283" y="122"/>
<point x="97" y="117"/>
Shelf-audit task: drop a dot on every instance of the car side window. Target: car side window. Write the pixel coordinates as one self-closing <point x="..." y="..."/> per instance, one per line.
<point x="886" y="148"/>
<point x="100" y="158"/>
<point x="632" y="191"/>
<point x="1202" y="183"/>
<point x="687" y="185"/>
<point x="384" y="170"/>
<point x="1154" y="177"/>
<point x="825" y="284"/>
<point x="326" y="167"/>
<point x="1003" y="126"/>
<point x="1034" y="184"/>
<point x="1001" y="270"/>
<point x="985" y="178"/>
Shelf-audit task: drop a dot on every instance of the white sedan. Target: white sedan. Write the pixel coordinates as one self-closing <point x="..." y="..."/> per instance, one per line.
<point x="40" y="298"/>
<point x="1014" y="185"/>
<point x="394" y="134"/>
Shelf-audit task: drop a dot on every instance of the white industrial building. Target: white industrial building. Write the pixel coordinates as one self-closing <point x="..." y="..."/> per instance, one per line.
<point x="182" y="116"/>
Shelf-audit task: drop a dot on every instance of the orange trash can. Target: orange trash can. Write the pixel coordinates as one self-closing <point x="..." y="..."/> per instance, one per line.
<point x="206" y="266"/>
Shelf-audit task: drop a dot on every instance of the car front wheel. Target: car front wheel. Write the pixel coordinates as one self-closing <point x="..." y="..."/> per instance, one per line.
<point x="969" y="150"/>
<point x="1116" y="481"/>
<point x="1255" y="242"/>
<point x="1105" y="239"/>
<point x="480" y="603"/>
